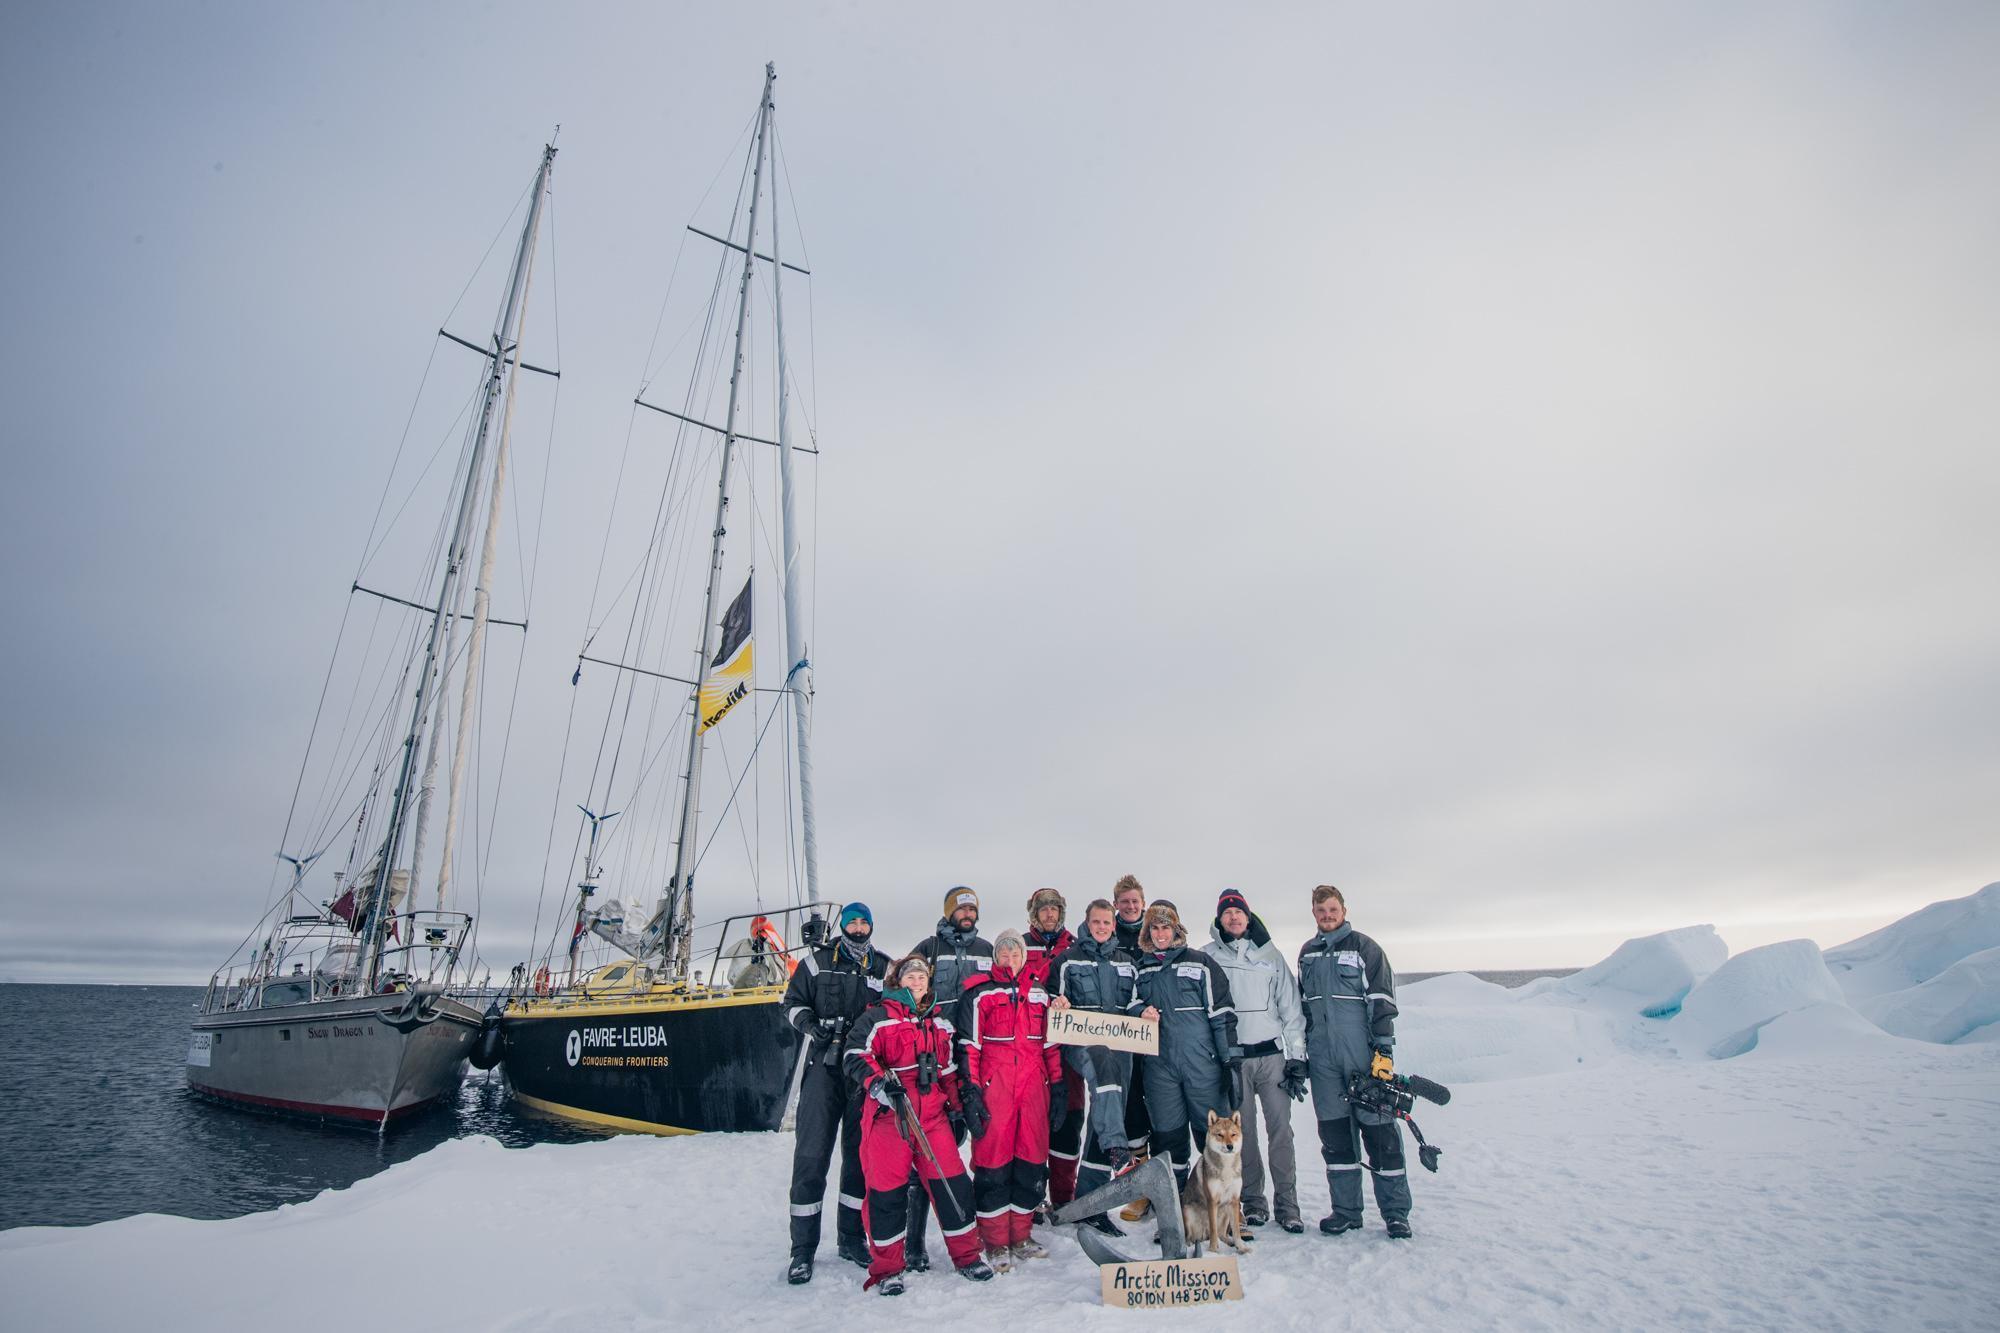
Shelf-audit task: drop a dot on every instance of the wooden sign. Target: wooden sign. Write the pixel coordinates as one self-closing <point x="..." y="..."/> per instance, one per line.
<point x="1088" y="1027"/>
<point x="1166" y="1284"/>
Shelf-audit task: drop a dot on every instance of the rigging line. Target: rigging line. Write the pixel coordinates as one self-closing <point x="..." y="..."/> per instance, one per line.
<point x="373" y="736"/>
<point x="751" y="848"/>
<point x="312" y="733"/>
<point x="714" y="180"/>
<point x="664" y="514"/>
<point x="388" y="482"/>
<point x="506" y="744"/>
<point x="645" y="607"/>
<point x="534" y="560"/>
<point x="368" y="556"/>
<point x="482" y="864"/>
<point x="775" y="714"/>
<point x="505" y="225"/>
<point x="610" y="524"/>
<point x="785" y="169"/>
<point x="791" y="855"/>
<point x="660" y="515"/>
<point x="673" y="581"/>
<point x="555" y="809"/>
<point x="341" y="757"/>
<point x="805" y="252"/>
<point x="639" y="622"/>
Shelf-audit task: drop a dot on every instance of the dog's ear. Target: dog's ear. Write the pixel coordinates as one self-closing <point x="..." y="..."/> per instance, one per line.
<point x="1212" y="1118"/>
<point x="1236" y="1116"/>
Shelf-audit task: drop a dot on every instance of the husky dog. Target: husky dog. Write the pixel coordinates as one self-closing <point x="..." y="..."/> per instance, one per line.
<point x="1212" y="1202"/>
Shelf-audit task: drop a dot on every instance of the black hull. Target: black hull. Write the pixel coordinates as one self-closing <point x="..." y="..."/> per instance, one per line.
<point x="670" y="1066"/>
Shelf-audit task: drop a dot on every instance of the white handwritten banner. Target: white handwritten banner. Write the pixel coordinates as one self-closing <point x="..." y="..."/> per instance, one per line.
<point x="1087" y="1027"/>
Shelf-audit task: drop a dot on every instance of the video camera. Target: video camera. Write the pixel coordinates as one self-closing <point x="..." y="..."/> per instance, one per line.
<point x="1396" y="1094"/>
<point x="1394" y="1097"/>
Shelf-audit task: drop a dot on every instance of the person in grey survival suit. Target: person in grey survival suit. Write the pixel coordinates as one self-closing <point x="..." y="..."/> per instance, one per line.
<point x="956" y="952"/>
<point x="1349" y="993"/>
<point x="1095" y="974"/>
<point x="828" y="990"/>
<point x="1272" y="1028"/>
<point x="1195" y="1071"/>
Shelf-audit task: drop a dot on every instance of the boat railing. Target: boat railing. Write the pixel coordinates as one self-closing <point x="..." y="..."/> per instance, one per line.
<point x="768" y="942"/>
<point x="433" y="939"/>
<point x="317" y="958"/>
<point x="582" y="985"/>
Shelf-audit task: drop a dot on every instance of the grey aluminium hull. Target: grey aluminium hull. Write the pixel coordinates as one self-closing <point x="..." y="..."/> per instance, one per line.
<point x="365" y="1059"/>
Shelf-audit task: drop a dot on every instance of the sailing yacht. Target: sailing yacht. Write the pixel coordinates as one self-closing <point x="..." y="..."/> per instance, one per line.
<point x="668" y="1027"/>
<point x="344" y="1010"/>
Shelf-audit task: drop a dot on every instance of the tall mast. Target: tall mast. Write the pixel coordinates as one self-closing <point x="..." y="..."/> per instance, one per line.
<point x="482" y="589"/>
<point x="798" y="678"/>
<point x="443" y="617"/>
<point x="691" y="793"/>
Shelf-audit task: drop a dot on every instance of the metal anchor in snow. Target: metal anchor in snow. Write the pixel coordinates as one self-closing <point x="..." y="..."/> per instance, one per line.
<point x="1153" y="1182"/>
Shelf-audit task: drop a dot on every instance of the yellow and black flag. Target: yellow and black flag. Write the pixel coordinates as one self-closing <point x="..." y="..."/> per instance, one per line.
<point x="728" y="681"/>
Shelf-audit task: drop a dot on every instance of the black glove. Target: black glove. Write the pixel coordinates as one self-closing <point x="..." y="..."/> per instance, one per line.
<point x="1297" y="1080"/>
<point x="1058" y="1107"/>
<point x="829" y="1030"/>
<point x="1231" y="1085"/>
<point x="976" y="1118"/>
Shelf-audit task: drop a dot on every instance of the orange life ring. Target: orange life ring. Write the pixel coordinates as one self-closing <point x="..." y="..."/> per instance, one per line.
<point x="762" y="929"/>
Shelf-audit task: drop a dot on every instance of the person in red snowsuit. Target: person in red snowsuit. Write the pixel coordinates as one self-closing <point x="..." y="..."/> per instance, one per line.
<point x="1047" y="940"/>
<point x="1003" y="1016"/>
<point x="899" y="1054"/>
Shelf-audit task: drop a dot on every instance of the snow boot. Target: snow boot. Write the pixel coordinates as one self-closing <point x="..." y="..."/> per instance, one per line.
<point x="1291" y="1226"/>
<point x="801" y="1271"/>
<point x="1336" y="1224"/>
<point x="976" y="1271"/>
<point x="1029" y="1249"/>
<point x="916" y="1261"/>
<point x="1399" y="1228"/>
<point x="1255" y="1215"/>
<point x="1000" y="1258"/>
<point x="855" y="1251"/>
<point x="891" y="1285"/>
<point x="1102" y="1222"/>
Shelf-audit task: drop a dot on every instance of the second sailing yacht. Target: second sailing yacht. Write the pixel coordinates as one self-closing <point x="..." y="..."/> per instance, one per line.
<point x="672" y="1036"/>
<point x="343" y="1010"/>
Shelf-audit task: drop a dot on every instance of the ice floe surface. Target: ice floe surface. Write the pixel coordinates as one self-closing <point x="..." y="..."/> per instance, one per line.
<point x="1673" y="1138"/>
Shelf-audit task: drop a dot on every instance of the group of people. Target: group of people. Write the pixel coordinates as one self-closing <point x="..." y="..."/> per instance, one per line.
<point x="907" y="1060"/>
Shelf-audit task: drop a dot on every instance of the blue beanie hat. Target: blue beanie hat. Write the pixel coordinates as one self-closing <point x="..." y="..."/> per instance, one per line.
<point x="856" y="912"/>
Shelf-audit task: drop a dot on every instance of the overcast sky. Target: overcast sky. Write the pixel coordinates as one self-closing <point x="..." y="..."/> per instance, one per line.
<point x="1532" y="466"/>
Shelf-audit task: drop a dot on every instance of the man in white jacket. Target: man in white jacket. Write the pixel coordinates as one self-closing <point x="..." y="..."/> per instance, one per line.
<point x="1271" y="1027"/>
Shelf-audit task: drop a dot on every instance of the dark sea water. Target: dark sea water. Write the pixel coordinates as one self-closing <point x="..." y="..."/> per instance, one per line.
<point x="96" y="1121"/>
<point x="1508" y="979"/>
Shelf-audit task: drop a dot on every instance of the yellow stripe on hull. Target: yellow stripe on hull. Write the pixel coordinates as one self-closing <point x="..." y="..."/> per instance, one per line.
<point x="598" y="1118"/>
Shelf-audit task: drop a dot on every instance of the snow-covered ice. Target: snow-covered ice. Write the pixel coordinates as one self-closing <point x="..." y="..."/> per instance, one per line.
<point x="1722" y="1015"/>
<point x="1911" y="951"/>
<point x="1602" y="1169"/>
<point x="1955" y="1005"/>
